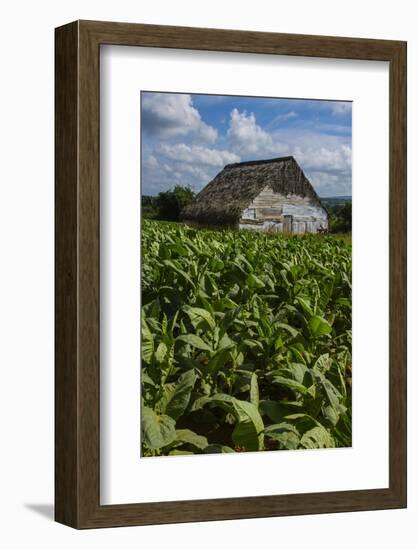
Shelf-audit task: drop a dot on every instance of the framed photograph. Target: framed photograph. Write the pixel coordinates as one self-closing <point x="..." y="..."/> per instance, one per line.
<point x="230" y="274"/>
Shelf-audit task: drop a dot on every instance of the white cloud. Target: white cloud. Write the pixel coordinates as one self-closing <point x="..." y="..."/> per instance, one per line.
<point x="329" y="185"/>
<point x="320" y="158"/>
<point x="327" y="166"/>
<point x="245" y="135"/>
<point x="279" y="119"/>
<point x="151" y="163"/>
<point x="286" y="116"/>
<point x="326" y="158"/>
<point x="171" y="115"/>
<point x="198" y="154"/>
<point x="248" y="139"/>
<point x="181" y="164"/>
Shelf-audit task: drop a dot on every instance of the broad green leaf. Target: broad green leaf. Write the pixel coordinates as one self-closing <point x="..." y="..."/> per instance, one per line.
<point x="331" y="414"/>
<point x="346" y="279"/>
<point x="278" y="343"/>
<point x="176" y="395"/>
<point x="254" y="390"/>
<point x="146" y="379"/>
<point x="181" y="272"/>
<point x="319" y="326"/>
<point x="317" y="438"/>
<point x="161" y="352"/>
<point x="228" y="303"/>
<point x="289" y="383"/>
<point x="216" y="265"/>
<point x="228" y="319"/>
<point x="273" y="409"/>
<point x="303" y="419"/>
<point x="298" y="371"/>
<point x="181" y="250"/>
<point x="248" y="432"/>
<point x="254" y="281"/>
<point x="323" y="363"/>
<point x="147" y="343"/>
<point x="198" y="315"/>
<point x="333" y="395"/>
<point x="218" y="400"/>
<point x="190" y="437"/>
<point x="294" y="332"/>
<point x="225" y="343"/>
<point x="298" y="355"/>
<point x="194" y="341"/>
<point x="285" y="279"/>
<point x="286" y="434"/>
<point x="217" y="361"/>
<point x="306" y="305"/>
<point x="157" y="430"/>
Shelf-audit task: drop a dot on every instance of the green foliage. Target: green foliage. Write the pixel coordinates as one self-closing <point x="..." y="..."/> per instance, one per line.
<point x="149" y="208"/>
<point x="168" y="204"/>
<point x="246" y="341"/>
<point x="340" y="217"/>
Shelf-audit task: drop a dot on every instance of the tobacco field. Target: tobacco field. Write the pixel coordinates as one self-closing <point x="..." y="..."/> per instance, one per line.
<point x="246" y="341"/>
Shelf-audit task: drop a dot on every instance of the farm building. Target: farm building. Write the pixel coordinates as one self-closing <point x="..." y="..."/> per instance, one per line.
<point x="264" y="195"/>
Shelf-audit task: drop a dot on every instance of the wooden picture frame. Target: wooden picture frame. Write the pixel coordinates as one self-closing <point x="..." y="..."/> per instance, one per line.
<point x="77" y="382"/>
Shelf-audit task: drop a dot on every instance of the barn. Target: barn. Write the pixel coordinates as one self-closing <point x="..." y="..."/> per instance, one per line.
<point x="262" y="195"/>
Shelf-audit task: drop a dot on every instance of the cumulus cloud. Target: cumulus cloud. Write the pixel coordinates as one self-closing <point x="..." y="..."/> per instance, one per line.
<point x="181" y="164"/>
<point x="328" y="165"/>
<point x="326" y="159"/>
<point x="248" y="139"/>
<point x="333" y="160"/>
<point x="329" y="185"/>
<point x="197" y="154"/>
<point x="170" y="115"/>
<point x="245" y="135"/>
<point x="179" y="146"/>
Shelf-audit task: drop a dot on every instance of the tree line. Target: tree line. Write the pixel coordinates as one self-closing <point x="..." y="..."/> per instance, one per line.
<point x="167" y="205"/>
<point x="340" y="217"/>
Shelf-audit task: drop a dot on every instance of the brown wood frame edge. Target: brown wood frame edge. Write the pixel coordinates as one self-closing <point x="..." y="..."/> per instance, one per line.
<point x="77" y="274"/>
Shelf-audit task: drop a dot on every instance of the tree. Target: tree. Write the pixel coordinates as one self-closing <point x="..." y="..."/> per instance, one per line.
<point x="149" y="209"/>
<point x="341" y="218"/>
<point x="346" y="216"/>
<point x="169" y="204"/>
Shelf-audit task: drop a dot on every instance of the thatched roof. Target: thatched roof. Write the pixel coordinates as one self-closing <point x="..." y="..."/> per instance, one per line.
<point x="224" y="198"/>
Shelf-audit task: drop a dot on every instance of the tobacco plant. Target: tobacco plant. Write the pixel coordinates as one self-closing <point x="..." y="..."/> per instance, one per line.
<point x="246" y="341"/>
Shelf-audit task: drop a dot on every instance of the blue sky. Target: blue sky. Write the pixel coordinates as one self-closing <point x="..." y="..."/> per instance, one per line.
<point x="188" y="138"/>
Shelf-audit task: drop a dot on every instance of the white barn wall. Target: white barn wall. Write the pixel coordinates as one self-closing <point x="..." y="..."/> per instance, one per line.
<point x="268" y="210"/>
